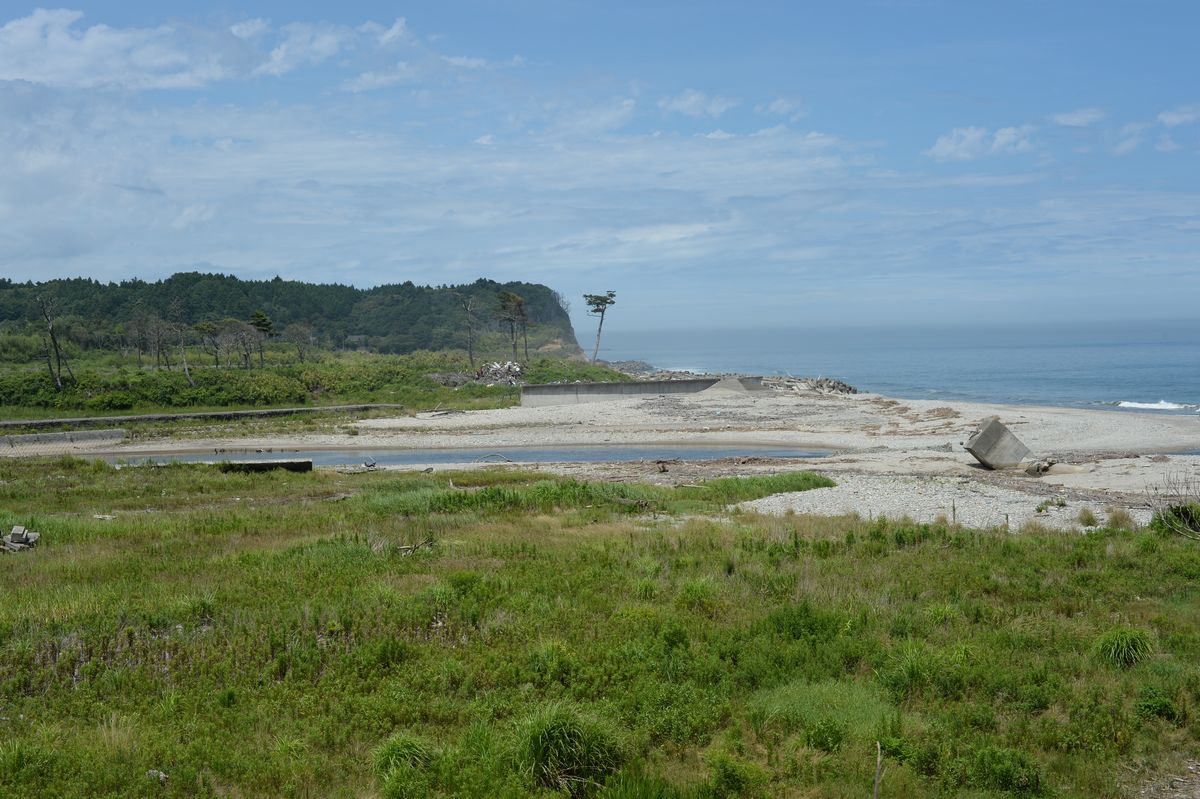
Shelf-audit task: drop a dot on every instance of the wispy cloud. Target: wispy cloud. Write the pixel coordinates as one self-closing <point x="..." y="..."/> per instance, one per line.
<point x="1079" y="118"/>
<point x="381" y="79"/>
<point x="695" y="103"/>
<point x="465" y="62"/>
<point x="969" y="143"/>
<point x="303" y="44"/>
<point x="1129" y="138"/>
<point x="47" y="47"/>
<point x="1180" y="115"/>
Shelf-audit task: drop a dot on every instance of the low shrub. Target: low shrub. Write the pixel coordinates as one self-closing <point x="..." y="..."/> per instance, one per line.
<point x="1001" y="769"/>
<point x="401" y="749"/>
<point x="560" y="748"/>
<point x="1120" y="519"/>
<point x="1123" y="647"/>
<point x="733" y="777"/>
<point x="1154" y="702"/>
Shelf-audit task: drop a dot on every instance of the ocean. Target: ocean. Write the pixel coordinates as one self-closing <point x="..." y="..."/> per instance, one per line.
<point x="1122" y="365"/>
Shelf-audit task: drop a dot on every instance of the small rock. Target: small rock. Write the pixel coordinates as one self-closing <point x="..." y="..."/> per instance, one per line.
<point x="161" y="776"/>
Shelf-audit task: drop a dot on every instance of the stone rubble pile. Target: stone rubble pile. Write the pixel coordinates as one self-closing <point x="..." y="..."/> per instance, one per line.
<point x="493" y="374"/>
<point x="821" y="385"/>
<point x="19" y="539"/>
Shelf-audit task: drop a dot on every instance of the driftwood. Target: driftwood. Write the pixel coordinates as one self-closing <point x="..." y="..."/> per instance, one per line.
<point x="409" y="549"/>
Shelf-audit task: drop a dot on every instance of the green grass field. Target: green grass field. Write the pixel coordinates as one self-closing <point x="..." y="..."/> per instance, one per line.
<point x="395" y="634"/>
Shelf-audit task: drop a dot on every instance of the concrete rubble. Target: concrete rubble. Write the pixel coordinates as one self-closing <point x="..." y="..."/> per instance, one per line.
<point x="507" y="373"/>
<point x="19" y="539"/>
<point x="820" y="385"/>
<point x="995" y="446"/>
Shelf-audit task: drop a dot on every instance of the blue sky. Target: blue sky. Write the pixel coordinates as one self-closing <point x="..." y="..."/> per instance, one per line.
<point x="757" y="163"/>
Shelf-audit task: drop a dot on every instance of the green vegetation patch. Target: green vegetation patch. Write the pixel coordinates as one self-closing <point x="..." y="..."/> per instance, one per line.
<point x="499" y="633"/>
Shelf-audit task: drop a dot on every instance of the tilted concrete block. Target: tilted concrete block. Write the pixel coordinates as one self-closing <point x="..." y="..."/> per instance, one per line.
<point x="995" y="446"/>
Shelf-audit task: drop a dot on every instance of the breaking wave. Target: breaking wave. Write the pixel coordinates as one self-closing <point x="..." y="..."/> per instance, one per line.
<point x="1161" y="405"/>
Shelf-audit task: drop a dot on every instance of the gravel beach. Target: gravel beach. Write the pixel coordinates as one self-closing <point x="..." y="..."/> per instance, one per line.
<point x="889" y="456"/>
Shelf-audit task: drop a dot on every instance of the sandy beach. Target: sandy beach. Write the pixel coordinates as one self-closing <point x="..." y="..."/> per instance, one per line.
<point x="890" y="457"/>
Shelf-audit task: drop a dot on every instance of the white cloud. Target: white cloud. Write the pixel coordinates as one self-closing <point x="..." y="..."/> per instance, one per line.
<point x="304" y="44"/>
<point x="695" y="103"/>
<point x="969" y="143"/>
<point x="960" y="144"/>
<point x="465" y="62"/>
<point x="250" y="29"/>
<point x="485" y="140"/>
<point x="1166" y="144"/>
<point x="1079" y="118"/>
<point x="596" y="119"/>
<point x="781" y="106"/>
<point x="47" y="48"/>
<point x="381" y="79"/>
<point x="398" y="32"/>
<point x="718" y="135"/>
<point x="1012" y="140"/>
<point x="193" y="215"/>
<point x="1129" y="138"/>
<point x="1180" y="115"/>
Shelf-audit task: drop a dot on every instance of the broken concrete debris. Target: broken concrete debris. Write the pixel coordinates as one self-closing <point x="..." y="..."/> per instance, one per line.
<point x="1039" y="467"/>
<point x="819" y="385"/>
<point x="507" y="373"/>
<point x="995" y="446"/>
<point x="19" y="539"/>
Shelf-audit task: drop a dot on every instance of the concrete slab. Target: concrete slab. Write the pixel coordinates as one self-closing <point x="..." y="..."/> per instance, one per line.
<point x="995" y="446"/>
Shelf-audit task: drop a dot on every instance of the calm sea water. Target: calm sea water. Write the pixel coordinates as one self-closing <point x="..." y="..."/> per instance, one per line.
<point x="1144" y="365"/>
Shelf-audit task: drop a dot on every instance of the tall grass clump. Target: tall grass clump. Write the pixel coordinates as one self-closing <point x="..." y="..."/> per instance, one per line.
<point x="560" y="748"/>
<point x="1123" y="647"/>
<point x="401" y="762"/>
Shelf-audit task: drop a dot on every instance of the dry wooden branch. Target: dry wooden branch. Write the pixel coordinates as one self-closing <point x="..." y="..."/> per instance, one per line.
<point x="409" y="549"/>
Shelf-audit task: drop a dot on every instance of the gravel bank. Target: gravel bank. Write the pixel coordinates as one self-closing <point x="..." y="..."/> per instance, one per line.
<point x="924" y="499"/>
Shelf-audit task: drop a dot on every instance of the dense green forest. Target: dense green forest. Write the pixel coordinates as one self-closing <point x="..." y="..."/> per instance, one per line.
<point x="397" y="318"/>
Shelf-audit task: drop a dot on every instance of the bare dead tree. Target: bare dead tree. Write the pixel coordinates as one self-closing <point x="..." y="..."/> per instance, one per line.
<point x="510" y="313"/>
<point x="299" y="335"/>
<point x="467" y="303"/>
<point x="46" y="305"/>
<point x="182" y="331"/>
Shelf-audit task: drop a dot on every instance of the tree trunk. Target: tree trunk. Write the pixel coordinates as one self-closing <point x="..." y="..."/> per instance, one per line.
<point x="599" y="327"/>
<point x="50" y="365"/>
<point x="183" y="359"/>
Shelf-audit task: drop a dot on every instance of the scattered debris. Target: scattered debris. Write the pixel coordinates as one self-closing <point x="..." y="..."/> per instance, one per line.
<point x="820" y="385"/>
<point x="19" y="539"/>
<point x="1039" y="467"/>
<point x="161" y="776"/>
<point x="496" y="373"/>
<point x="995" y="446"/>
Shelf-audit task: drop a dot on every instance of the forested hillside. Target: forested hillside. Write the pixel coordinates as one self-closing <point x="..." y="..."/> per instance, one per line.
<point x="396" y="318"/>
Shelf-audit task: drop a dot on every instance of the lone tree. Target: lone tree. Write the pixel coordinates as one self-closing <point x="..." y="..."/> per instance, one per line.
<point x="47" y="306"/>
<point x="265" y="327"/>
<point x="598" y="305"/>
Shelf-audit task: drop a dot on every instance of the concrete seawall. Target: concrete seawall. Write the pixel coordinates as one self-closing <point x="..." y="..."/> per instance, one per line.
<point x="64" y="439"/>
<point x="573" y="393"/>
